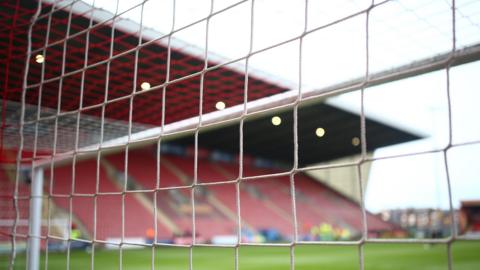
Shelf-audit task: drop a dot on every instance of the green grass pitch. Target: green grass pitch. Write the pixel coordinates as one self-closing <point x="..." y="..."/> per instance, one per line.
<point x="466" y="255"/>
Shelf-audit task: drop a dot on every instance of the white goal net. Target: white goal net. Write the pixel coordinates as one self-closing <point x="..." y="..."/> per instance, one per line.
<point x="240" y="134"/>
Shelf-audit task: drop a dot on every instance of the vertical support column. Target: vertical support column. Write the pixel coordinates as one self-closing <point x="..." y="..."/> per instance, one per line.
<point x="35" y="222"/>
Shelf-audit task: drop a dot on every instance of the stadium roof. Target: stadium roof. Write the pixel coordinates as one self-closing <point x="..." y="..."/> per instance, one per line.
<point x="223" y="82"/>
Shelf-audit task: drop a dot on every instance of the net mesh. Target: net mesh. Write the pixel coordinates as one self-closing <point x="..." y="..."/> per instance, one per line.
<point x="99" y="84"/>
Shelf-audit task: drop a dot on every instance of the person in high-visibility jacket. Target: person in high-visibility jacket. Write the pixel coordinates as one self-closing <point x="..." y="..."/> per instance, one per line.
<point x="76" y="234"/>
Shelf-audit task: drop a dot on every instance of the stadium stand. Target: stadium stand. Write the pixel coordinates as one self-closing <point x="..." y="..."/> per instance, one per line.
<point x="175" y="204"/>
<point x="109" y="207"/>
<point x="265" y="204"/>
<point x="7" y="207"/>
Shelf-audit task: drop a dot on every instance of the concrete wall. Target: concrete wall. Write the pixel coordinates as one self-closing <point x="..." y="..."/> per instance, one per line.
<point x="344" y="179"/>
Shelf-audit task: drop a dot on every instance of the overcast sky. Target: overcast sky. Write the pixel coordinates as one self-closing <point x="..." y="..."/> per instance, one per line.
<point x="399" y="32"/>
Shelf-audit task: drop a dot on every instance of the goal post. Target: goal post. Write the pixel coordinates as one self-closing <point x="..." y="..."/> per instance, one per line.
<point x="35" y="221"/>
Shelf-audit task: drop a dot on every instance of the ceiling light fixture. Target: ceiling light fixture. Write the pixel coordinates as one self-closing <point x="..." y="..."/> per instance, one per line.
<point x="320" y="132"/>
<point x="145" y="85"/>
<point x="276" y="120"/>
<point x="355" y="141"/>
<point x="220" y="105"/>
<point x="39" y="58"/>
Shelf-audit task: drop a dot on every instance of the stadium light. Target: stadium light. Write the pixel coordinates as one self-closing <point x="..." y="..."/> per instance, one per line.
<point x="276" y="120"/>
<point x="39" y="58"/>
<point x="145" y="85"/>
<point x="320" y="132"/>
<point x="355" y="141"/>
<point x="220" y="105"/>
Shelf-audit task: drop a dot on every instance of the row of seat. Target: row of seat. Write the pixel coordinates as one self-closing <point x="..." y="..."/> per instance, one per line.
<point x="104" y="211"/>
<point x="8" y="212"/>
